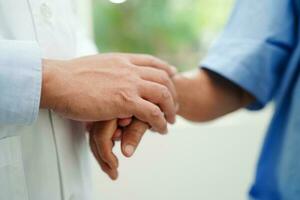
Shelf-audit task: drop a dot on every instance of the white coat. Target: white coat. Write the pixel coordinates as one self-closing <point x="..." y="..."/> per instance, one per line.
<point x="47" y="160"/>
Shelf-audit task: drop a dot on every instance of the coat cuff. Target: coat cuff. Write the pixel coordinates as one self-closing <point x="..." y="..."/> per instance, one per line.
<point x="20" y="82"/>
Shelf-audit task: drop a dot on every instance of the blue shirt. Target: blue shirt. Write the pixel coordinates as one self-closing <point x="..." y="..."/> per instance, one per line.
<point x="259" y="50"/>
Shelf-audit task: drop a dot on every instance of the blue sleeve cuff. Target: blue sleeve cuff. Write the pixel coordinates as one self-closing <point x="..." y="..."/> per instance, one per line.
<point x="20" y="82"/>
<point x="250" y="64"/>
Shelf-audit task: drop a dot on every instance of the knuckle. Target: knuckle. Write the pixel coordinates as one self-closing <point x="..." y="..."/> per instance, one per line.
<point x="165" y="94"/>
<point x="157" y="60"/>
<point x="156" y="112"/>
<point x="152" y="59"/>
<point x="117" y="61"/>
<point x="140" y="85"/>
<point x="164" y="77"/>
<point x="127" y="66"/>
<point x="127" y="96"/>
<point x="121" y="60"/>
<point x="128" y="72"/>
<point x="128" y="76"/>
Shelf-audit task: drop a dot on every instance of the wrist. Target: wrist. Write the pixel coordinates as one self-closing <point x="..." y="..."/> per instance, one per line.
<point x="208" y="96"/>
<point x="48" y="76"/>
<point x="187" y="91"/>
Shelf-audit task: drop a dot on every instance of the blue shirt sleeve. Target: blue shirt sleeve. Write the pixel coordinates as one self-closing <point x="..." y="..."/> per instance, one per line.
<point x="255" y="47"/>
<point x="20" y="82"/>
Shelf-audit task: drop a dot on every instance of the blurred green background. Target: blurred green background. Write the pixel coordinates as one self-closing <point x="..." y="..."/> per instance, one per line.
<point x="178" y="31"/>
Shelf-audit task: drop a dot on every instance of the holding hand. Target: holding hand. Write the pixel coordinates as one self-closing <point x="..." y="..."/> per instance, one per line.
<point x="199" y="103"/>
<point x="111" y="86"/>
<point x="103" y="136"/>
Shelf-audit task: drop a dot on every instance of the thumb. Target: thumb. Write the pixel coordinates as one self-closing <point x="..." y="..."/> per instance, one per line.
<point x="132" y="136"/>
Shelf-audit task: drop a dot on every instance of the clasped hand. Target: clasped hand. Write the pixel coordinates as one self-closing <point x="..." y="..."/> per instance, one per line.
<point x="103" y="136"/>
<point x="112" y="86"/>
<point x="129" y="131"/>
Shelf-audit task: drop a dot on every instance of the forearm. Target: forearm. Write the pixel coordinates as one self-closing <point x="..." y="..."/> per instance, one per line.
<point x="208" y="96"/>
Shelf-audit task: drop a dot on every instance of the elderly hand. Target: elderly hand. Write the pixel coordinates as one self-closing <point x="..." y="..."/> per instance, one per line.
<point x="103" y="136"/>
<point x="110" y="86"/>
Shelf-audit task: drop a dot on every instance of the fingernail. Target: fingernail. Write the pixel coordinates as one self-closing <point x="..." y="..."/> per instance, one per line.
<point x="174" y="70"/>
<point x="129" y="150"/>
<point x="114" y="175"/>
<point x="173" y="120"/>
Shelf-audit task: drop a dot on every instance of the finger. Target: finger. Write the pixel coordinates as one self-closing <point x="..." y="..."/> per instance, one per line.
<point x="160" y="77"/>
<point x="124" y="122"/>
<point x="151" y="114"/>
<point x="161" y="96"/>
<point x="117" y="135"/>
<point x="112" y="173"/>
<point x="105" y="151"/>
<point x="88" y="126"/>
<point x="103" y="134"/>
<point x="132" y="135"/>
<point x="151" y="61"/>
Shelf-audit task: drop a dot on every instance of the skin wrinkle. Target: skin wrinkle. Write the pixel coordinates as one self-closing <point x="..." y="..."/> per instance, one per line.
<point x="109" y="75"/>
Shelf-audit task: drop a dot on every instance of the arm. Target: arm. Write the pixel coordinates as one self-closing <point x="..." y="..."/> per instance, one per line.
<point x="207" y="96"/>
<point x="27" y="84"/>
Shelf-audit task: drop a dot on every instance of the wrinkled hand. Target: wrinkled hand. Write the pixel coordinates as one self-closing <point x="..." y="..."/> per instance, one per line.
<point x="110" y="86"/>
<point x="102" y="136"/>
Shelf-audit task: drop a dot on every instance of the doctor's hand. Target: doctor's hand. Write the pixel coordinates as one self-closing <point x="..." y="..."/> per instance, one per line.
<point x="110" y="86"/>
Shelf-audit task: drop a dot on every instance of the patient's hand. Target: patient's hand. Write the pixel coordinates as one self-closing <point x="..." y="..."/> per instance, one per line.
<point x="131" y="135"/>
<point x="103" y="136"/>
<point x="101" y="143"/>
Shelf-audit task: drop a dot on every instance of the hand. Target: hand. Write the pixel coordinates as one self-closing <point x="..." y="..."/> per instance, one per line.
<point x="101" y="143"/>
<point x="102" y="138"/>
<point x="198" y="103"/>
<point x="111" y="86"/>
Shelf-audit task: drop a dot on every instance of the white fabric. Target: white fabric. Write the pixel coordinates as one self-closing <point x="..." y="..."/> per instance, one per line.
<point x="49" y="159"/>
